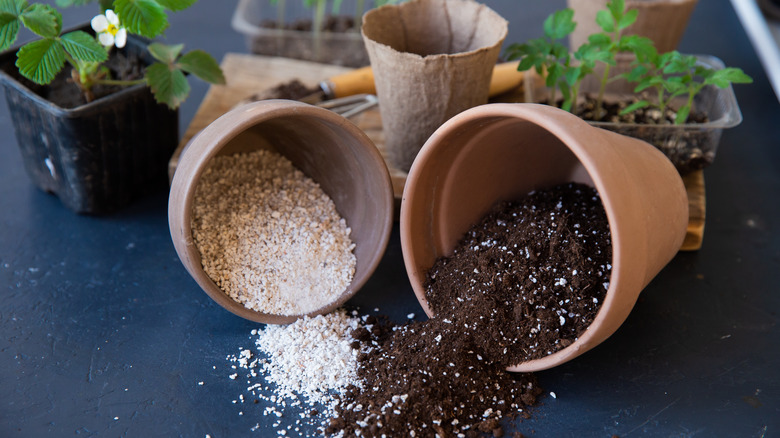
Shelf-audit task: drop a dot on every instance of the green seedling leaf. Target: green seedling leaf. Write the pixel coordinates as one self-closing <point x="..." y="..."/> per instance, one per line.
<point x="559" y="24"/>
<point x="634" y="106"/>
<point x="83" y="46"/>
<point x="144" y="17"/>
<point x="723" y="78"/>
<point x="40" y="61"/>
<point x="642" y="47"/>
<point x="682" y="115"/>
<point x="168" y="85"/>
<point x="572" y="74"/>
<point x="600" y="39"/>
<point x="605" y="21"/>
<point x="616" y="8"/>
<point x="176" y="5"/>
<point x="164" y="53"/>
<point x="43" y="20"/>
<point x="628" y="19"/>
<point x="202" y="65"/>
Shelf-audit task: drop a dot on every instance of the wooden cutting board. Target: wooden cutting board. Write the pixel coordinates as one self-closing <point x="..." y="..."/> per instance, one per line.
<point x="250" y="74"/>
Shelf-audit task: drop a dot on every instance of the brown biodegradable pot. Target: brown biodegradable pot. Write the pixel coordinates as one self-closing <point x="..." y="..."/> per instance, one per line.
<point x="431" y="60"/>
<point x="327" y="148"/>
<point x="500" y="152"/>
<point x="663" y="21"/>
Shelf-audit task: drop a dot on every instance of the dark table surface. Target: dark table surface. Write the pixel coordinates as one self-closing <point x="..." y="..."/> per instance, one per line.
<point x="103" y="332"/>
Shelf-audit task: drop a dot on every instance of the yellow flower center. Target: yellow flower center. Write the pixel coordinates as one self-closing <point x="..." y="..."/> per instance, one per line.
<point x="112" y="29"/>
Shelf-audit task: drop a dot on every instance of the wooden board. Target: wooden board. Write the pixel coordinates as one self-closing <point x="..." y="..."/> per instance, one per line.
<point x="250" y="74"/>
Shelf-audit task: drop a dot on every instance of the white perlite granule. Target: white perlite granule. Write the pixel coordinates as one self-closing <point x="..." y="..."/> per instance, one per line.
<point x="306" y="364"/>
<point x="312" y="357"/>
<point x="269" y="236"/>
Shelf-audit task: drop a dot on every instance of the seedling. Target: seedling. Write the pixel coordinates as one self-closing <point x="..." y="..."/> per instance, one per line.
<point x="673" y="74"/>
<point x="670" y="74"/>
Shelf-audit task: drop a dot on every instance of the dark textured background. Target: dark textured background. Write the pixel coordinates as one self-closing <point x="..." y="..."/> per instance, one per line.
<point x="103" y="333"/>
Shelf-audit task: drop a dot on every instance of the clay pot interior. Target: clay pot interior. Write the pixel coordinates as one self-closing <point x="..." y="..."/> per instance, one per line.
<point x="501" y="152"/>
<point x="327" y="148"/>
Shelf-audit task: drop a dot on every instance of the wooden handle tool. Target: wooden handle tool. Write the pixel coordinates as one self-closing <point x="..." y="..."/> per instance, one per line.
<point x="361" y="81"/>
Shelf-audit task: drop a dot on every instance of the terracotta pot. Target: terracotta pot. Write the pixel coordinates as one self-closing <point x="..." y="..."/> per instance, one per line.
<point x="431" y="60"/>
<point x="500" y="152"/>
<point x="324" y="146"/>
<point x="663" y="21"/>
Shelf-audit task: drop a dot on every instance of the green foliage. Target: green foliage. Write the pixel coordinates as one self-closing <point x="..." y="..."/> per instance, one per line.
<point x="166" y="77"/>
<point x="669" y="75"/>
<point x="143" y="17"/>
<point x="83" y="47"/>
<point x="41" y="60"/>
<point x="672" y="75"/>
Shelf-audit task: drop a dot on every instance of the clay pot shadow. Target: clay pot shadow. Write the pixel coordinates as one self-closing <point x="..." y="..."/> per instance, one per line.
<point x="325" y="147"/>
<point x="501" y="152"/>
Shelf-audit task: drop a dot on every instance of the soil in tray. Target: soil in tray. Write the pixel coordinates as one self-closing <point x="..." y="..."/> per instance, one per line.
<point x="63" y="92"/>
<point x="527" y="280"/>
<point x="337" y="23"/>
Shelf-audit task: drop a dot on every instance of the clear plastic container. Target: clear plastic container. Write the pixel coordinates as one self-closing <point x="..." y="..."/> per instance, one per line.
<point x="690" y="146"/>
<point x="339" y="48"/>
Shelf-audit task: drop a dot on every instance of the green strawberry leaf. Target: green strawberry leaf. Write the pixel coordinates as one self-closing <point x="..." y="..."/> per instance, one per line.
<point x="82" y="46"/>
<point x="13" y="7"/>
<point x="169" y="85"/>
<point x="144" y="17"/>
<point x="9" y="29"/>
<point x="165" y="53"/>
<point x="176" y="5"/>
<point x="202" y="65"/>
<point x="42" y="20"/>
<point x="41" y="60"/>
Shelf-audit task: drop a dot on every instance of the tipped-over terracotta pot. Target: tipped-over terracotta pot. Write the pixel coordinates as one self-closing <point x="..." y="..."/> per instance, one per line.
<point x="501" y="152"/>
<point x="323" y="145"/>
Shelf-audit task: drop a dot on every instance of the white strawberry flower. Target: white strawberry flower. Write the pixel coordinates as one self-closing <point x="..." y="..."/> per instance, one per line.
<point x="110" y="31"/>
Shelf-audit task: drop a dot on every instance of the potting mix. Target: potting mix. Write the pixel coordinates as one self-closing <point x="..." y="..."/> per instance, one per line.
<point x="523" y="283"/>
<point x="268" y="236"/>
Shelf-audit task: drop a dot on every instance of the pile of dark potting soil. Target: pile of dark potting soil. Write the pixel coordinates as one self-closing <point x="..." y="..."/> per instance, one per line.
<point x="515" y="275"/>
<point x="528" y="279"/>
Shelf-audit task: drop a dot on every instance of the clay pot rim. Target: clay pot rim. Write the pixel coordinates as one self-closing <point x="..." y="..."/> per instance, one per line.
<point x="538" y="115"/>
<point x="231" y="125"/>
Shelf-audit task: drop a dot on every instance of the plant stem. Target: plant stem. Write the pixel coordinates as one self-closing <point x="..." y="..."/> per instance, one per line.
<point x="602" y="89"/>
<point x="359" y="8"/>
<point x="319" y="18"/>
<point x="280" y="12"/>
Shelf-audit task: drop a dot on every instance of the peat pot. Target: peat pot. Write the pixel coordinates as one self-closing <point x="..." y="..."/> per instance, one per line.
<point x="97" y="157"/>
<point x="501" y="152"/>
<point x="327" y="148"/>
